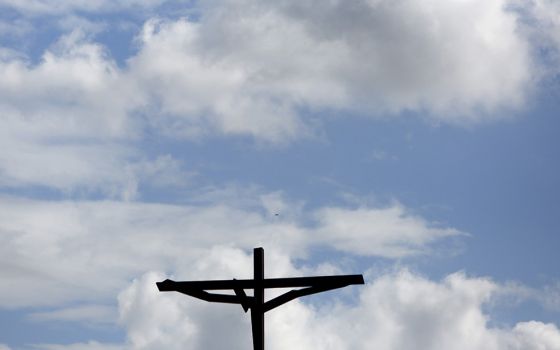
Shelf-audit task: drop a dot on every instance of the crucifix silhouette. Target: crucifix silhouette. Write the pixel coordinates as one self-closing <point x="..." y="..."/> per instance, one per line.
<point x="257" y="304"/>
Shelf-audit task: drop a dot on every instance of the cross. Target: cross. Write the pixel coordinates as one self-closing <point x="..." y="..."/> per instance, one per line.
<point x="256" y="303"/>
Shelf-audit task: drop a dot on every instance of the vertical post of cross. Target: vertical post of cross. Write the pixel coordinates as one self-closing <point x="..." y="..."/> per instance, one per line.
<point x="257" y="310"/>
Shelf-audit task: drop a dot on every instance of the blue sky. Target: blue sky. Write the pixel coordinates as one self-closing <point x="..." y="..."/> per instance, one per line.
<point x="412" y="141"/>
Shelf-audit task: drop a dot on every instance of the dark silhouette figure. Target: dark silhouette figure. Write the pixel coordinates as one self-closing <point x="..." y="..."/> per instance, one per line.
<point x="310" y="285"/>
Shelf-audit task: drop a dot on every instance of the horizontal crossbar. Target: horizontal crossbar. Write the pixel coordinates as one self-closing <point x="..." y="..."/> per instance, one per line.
<point x="317" y="281"/>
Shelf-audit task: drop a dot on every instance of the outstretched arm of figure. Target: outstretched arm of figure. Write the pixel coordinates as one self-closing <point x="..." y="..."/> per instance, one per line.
<point x="296" y="293"/>
<point x="239" y="298"/>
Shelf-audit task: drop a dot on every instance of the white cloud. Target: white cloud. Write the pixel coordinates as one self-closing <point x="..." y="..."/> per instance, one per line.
<point x="4" y="347"/>
<point x="76" y="120"/>
<point x="91" y="345"/>
<point x="249" y="67"/>
<point x="57" y="7"/>
<point x="536" y="335"/>
<point x="395" y="311"/>
<point x="389" y="232"/>
<point x="63" y="125"/>
<point x="67" y="124"/>
<point x="75" y="90"/>
<point x="92" y="314"/>
<point x="59" y="253"/>
<point x="86" y="251"/>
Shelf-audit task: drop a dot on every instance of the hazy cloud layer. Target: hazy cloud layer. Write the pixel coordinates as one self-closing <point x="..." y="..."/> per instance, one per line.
<point x="402" y="234"/>
<point x="91" y="345"/>
<point x="88" y="250"/>
<point x="93" y="315"/>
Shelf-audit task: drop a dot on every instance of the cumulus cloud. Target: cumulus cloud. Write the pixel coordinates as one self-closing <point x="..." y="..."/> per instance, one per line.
<point x="393" y="311"/>
<point x="63" y="123"/>
<point x="75" y="79"/>
<point x="67" y="124"/>
<point x="250" y="68"/>
<point x="536" y="335"/>
<point x="253" y="67"/>
<point x="178" y="323"/>
<point x="76" y="120"/>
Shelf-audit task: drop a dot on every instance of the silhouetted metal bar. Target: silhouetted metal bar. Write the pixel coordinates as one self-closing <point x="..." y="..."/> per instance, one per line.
<point x="257" y="310"/>
<point x="169" y="285"/>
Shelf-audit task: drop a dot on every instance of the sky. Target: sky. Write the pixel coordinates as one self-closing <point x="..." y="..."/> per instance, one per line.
<point x="413" y="141"/>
